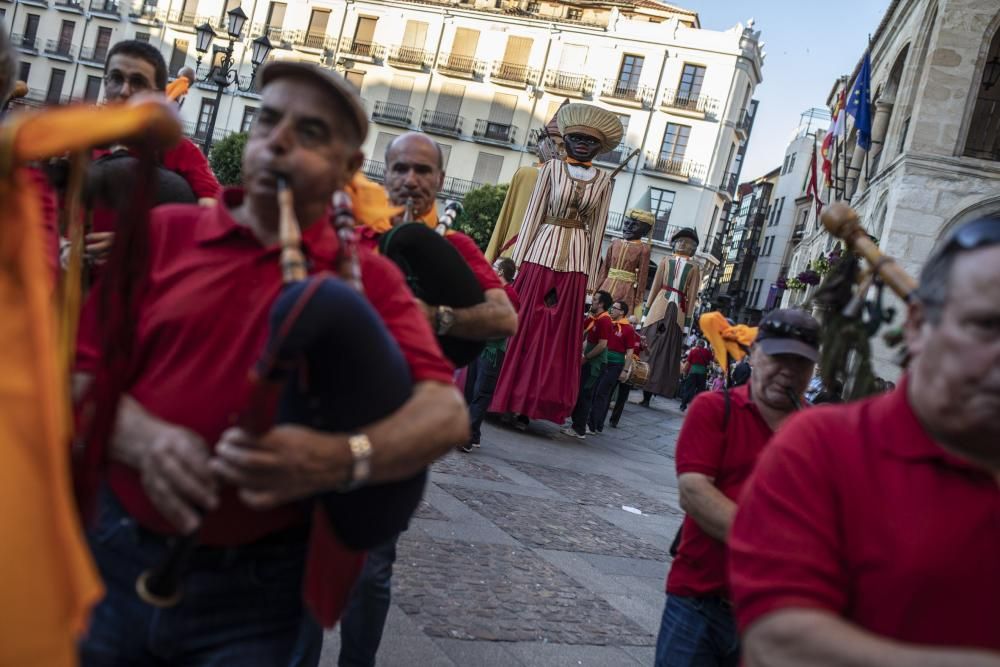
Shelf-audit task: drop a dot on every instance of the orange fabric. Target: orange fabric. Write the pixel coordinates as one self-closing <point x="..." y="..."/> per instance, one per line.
<point x="50" y="582"/>
<point x="726" y="339"/>
<point x="578" y="163"/>
<point x="178" y="88"/>
<point x="371" y="204"/>
<point x="592" y="321"/>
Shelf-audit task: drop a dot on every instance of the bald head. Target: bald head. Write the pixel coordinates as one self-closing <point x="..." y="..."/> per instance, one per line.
<point x="414" y="171"/>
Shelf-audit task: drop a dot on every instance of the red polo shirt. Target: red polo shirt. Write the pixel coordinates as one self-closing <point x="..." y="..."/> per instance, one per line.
<point x="622" y="338"/>
<point x="856" y="511"/>
<point x="201" y="326"/>
<point x="465" y="246"/>
<point x="603" y="328"/>
<point x="699" y="356"/>
<point x="728" y="456"/>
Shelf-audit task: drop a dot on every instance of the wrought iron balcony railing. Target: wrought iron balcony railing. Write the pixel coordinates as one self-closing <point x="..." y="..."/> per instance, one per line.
<point x="59" y="47"/>
<point x="745" y="121"/>
<point x="569" y="82"/>
<point x="456" y="65"/>
<point x="616" y="90"/>
<point x="25" y="42"/>
<point x="374" y="170"/>
<point x="729" y="184"/>
<point x="615" y="156"/>
<point x="489" y="131"/>
<point x="670" y="167"/>
<point x="72" y="5"/>
<point x="393" y="114"/>
<point x="439" y="122"/>
<point x="107" y="7"/>
<point x="280" y="37"/>
<point x="684" y="101"/>
<point x="351" y="47"/>
<point x="457" y="188"/>
<point x="314" y="40"/>
<point x="147" y="13"/>
<point x="93" y="54"/>
<point x="514" y="73"/>
<point x="408" y="55"/>
<point x="185" y="18"/>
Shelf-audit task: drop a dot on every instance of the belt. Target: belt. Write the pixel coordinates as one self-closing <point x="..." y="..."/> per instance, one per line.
<point x="684" y="299"/>
<point x="572" y="223"/>
<point x="622" y="275"/>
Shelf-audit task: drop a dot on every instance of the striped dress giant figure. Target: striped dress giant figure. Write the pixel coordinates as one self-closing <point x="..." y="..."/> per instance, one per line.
<point x="669" y="311"/>
<point x="557" y="253"/>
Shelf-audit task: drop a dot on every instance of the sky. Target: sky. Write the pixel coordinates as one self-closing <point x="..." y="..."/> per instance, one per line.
<point x="808" y="45"/>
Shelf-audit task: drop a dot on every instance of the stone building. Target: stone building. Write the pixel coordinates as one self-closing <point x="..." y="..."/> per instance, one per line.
<point x="480" y="75"/>
<point x="935" y="155"/>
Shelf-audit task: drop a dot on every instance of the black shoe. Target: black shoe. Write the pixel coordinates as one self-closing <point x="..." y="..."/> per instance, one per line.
<point x="644" y="404"/>
<point x="614" y="424"/>
<point x="467" y="448"/>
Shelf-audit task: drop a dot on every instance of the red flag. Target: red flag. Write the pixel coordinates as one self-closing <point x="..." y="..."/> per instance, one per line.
<point x="836" y="130"/>
<point x="813" y="188"/>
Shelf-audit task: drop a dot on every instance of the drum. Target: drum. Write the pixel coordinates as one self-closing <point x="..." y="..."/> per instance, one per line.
<point x="639" y="374"/>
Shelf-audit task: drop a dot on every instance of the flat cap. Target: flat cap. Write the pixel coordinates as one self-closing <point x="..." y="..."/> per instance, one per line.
<point x="331" y="82"/>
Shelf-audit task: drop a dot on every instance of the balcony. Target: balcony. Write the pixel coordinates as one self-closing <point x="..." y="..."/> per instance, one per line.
<point x="356" y="50"/>
<point x="314" y="40"/>
<point x="744" y="123"/>
<point x="617" y="92"/>
<point x="729" y="184"/>
<point x="36" y="3"/>
<point x="388" y="113"/>
<point x="185" y="19"/>
<point x="682" y="103"/>
<point x="61" y="49"/>
<point x="457" y="188"/>
<point x="615" y="156"/>
<point x="25" y="43"/>
<point x="799" y="232"/>
<point x="106" y="9"/>
<point x="93" y="55"/>
<point x="280" y="38"/>
<point x="466" y="67"/>
<point x="616" y="222"/>
<point x="680" y="169"/>
<point x="438" y="122"/>
<point x="513" y="74"/>
<point x="568" y="83"/>
<point x="73" y="6"/>
<point x="374" y="170"/>
<point x="146" y="14"/>
<point x="489" y="132"/>
<point x="408" y="57"/>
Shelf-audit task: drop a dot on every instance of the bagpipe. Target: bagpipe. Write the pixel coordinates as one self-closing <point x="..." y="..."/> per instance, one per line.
<point x="321" y="371"/>
<point x="850" y="319"/>
<point x="436" y="273"/>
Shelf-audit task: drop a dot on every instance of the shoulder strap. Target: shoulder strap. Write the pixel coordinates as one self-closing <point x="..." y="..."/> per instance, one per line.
<point x="725" y="411"/>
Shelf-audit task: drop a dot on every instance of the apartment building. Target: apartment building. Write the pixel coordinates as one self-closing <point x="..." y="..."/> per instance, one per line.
<point x="481" y="76"/>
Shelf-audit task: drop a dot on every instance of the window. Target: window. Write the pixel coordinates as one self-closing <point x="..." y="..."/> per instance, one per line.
<point x="142" y="36"/>
<point x="445" y="155"/>
<point x="56" y="80"/>
<point x="487" y="168"/>
<point x="415" y="35"/>
<point x="532" y="8"/>
<point x="30" y="30"/>
<point x="24" y="70"/>
<point x="791" y="163"/>
<point x="628" y="74"/>
<point x="574" y="14"/>
<point x="689" y="87"/>
<point x="983" y="139"/>
<point x="400" y="91"/>
<point x="382" y="142"/>
<point x="662" y="203"/>
<point x="448" y="107"/>
<point x="204" y="118"/>
<point x="784" y="166"/>
<point x="465" y="43"/>
<point x="65" y="43"/>
<point x="101" y="44"/>
<point x="355" y="77"/>
<point x="3" y="13"/>
<point x="249" y="116"/>
<point x="502" y="111"/>
<point x="316" y="33"/>
<point x="229" y="6"/>
<point x="517" y="51"/>
<point x="364" y="33"/>
<point x="675" y="141"/>
<point x="179" y="56"/>
<point x="276" y="14"/>
<point x="573" y="59"/>
<point x="92" y="91"/>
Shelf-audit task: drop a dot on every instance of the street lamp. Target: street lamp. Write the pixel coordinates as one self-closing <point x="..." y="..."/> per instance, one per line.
<point x="223" y="72"/>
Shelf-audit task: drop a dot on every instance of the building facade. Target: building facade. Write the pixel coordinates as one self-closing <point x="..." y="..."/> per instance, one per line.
<point x="934" y="161"/>
<point x="481" y="76"/>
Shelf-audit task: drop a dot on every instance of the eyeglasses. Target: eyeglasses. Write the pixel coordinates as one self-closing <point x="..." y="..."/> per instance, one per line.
<point x="976" y="234"/>
<point x="786" y="330"/>
<point x="136" y="82"/>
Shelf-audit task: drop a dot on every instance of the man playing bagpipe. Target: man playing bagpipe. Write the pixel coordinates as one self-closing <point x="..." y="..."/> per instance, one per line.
<point x="174" y="461"/>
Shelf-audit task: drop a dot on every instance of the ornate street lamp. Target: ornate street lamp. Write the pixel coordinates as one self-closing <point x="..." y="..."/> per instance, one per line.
<point x="223" y="71"/>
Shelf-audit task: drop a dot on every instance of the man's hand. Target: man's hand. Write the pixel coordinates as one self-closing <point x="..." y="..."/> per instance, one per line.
<point x="98" y="246"/>
<point x="176" y="476"/>
<point x="430" y="312"/>
<point x="286" y="464"/>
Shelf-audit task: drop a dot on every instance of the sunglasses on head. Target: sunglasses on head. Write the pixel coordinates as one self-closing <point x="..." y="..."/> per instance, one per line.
<point x="976" y="234"/>
<point x="786" y="330"/>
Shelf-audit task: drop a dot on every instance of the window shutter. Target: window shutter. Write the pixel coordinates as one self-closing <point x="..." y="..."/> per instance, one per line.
<point x="487" y="168"/>
<point x="449" y="100"/>
<point x="518" y="50"/>
<point x="365" y="31"/>
<point x="502" y="109"/>
<point x="382" y="142"/>
<point x="465" y="43"/>
<point x="415" y="35"/>
<point x="401" y="90"/>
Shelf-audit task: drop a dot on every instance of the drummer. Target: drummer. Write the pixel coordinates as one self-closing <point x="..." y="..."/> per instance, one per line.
<point x="633" y="345"/>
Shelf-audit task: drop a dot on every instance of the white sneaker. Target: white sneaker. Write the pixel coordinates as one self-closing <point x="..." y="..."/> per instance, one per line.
<point x="572" y="433"/>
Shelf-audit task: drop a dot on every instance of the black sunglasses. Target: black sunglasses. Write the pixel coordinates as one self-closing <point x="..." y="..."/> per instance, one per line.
<point x="975" y="234"/>
<point x="786" y="330"/>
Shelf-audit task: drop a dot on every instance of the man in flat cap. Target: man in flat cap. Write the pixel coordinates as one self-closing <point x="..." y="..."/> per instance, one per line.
<point x="669" y="314"/>
<point x="557" y="252"/>
<point x="177" y="465"/>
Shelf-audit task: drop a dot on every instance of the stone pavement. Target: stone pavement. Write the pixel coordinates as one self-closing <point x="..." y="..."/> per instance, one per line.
<point x="523" y="555"/>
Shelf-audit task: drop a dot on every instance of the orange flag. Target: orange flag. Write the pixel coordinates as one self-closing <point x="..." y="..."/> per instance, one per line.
<point x="49" y="582"/>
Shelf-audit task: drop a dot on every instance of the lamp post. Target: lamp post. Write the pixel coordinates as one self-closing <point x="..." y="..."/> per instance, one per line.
<point x="224" y="73"/>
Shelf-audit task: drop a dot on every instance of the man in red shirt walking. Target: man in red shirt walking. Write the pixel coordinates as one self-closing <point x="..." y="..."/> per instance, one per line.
<point x="870" y="532"/>
<point x="598" y="329"/>
<point x="698" y="359"/>
<point x="176" y="465"/>
<point x="620" y="343"/>
<point x="717" y="448"/>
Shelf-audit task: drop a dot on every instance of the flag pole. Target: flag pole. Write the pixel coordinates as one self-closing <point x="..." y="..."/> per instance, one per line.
<point x="871" y="115"/>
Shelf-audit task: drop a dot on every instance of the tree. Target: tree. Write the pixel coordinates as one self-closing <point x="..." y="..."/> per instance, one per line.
<point x="482" y="208"/>
<point x="227" y="158"/>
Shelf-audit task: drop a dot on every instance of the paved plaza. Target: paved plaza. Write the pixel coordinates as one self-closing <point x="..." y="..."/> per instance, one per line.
<point x="522" y="553"/>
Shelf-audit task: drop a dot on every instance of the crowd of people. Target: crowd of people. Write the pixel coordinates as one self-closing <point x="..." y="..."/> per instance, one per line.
<point x="858" y="535"/>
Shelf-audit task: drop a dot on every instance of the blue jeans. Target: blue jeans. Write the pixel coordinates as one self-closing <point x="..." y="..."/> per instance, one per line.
<point x="241" y="605"/>
<point x="487" y="373"/>
<point x="697" y="632"/>
<point x="363" y="621"/>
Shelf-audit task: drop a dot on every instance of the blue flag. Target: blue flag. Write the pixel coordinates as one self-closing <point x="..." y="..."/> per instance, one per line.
<point x="859" y="103"/>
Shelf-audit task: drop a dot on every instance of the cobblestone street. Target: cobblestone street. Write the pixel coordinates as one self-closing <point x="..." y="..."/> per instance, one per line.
<point x="522" y="553"/>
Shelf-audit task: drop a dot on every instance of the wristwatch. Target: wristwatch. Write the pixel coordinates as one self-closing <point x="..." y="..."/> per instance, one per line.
<point x="443" y="320"/>
<point x="361" y="468"/>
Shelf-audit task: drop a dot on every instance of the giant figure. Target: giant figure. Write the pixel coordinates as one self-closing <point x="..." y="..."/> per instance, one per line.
<point x="557" y="251"/>
<point x="624" y="270"/>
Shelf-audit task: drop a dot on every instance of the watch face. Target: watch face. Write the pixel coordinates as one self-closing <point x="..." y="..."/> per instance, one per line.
<point x="445" y="318"/>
